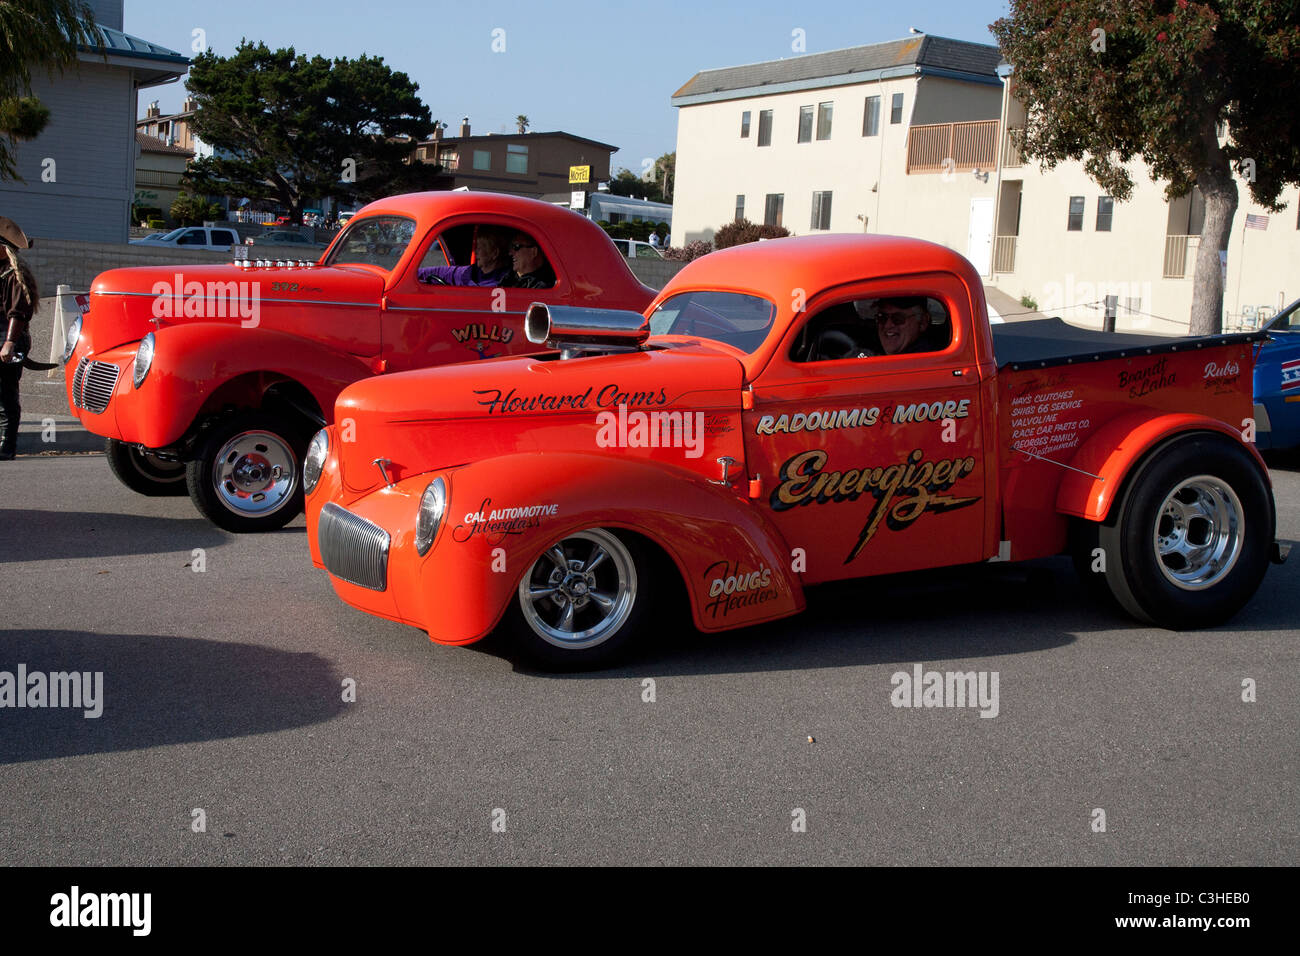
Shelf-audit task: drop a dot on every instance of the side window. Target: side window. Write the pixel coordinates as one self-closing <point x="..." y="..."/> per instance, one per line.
<point x="224" y="237"/>
<point x="646" y="252"/>
<point x="194" y="237"/>
<point x="869" y="328"/>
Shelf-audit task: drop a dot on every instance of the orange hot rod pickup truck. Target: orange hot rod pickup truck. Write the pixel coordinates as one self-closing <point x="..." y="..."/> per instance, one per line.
<point x="212" y="378"/>
<point x="787" y="413"/>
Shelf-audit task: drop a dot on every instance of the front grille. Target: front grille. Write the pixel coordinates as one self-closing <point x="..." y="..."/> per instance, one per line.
<point x="93" y="384"/>
<point x="352" y="548"/>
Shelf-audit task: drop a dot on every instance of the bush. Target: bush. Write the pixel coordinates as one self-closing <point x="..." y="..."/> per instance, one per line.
<point x="191" y="210"/>
<point x="692" y="250"/>
<point x="155" y="224"/>
<point x="1029" y="302"/>
<point x="742" y="231"/>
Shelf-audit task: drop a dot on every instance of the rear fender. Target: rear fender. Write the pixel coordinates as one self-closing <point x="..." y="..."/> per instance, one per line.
<point x="1108" y="457"/>
<point x="734" y="563"/>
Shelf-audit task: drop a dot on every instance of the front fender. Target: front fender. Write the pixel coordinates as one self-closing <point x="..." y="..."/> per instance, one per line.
<point x="1109" y="455"/>
<point x="459" y="591"/>
<point x="195" y="364"/>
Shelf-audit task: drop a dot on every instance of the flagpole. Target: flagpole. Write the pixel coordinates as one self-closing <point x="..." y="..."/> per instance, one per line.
<point x="1245" y="227"/>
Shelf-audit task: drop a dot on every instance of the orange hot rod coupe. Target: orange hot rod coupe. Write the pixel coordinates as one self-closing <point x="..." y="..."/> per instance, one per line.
<point x="212" y="378"/>
<point x="787" y="413"/>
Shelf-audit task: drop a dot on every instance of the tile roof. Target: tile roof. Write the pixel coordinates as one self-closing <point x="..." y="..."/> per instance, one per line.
<point x="152" y="144"/>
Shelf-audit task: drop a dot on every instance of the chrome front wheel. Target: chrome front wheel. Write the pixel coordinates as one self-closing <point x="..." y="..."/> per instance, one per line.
<point x="582" y="599"/>
<point x="247" y="475"/>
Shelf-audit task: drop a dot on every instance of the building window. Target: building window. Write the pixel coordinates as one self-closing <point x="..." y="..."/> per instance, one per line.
<point x="871" y="117"/>
<point x="744" y="125"/>
<point x="805" y="124"/>
<point x="740" y="208"/>
<point x="824" y="120"/>
<point x="764" y="127"/>
<point x="1105" y="211"/>
<point x="516" y="158"/>
<point x="773" y="209"/>
<point x="483" y="159"/>
<point x="821" y="210"/>
<point x="1076" y="214"/>
<point x="896" y="110"/>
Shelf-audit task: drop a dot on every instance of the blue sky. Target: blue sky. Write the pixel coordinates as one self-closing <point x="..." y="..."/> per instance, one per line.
<point x="606" y="70"/>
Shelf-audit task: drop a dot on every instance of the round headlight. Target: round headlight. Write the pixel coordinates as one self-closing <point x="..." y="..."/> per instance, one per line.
<point x="314" y="462"/>
<point x="70" y="340"/>
<point x="432" y="504"/>
<point x="143" y="360"/>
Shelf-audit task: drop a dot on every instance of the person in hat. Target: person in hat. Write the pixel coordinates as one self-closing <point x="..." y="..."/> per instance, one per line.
<point x="18" y="299"/>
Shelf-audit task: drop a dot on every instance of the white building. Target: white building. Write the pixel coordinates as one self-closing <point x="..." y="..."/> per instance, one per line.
<point x="909" y="138"/>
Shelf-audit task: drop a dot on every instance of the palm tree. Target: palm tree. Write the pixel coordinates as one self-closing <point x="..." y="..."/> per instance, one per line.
<point x="35" y="34"/>
<point x="522" y="122"/>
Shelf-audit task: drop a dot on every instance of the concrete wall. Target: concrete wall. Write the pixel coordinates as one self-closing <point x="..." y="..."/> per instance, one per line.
<point x="70" y="262"/>
<point x="80" y="172"/>
<point x="655" y="272"/>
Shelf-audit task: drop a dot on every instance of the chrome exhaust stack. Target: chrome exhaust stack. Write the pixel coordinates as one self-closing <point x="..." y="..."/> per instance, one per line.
<point x="578" y="332"/>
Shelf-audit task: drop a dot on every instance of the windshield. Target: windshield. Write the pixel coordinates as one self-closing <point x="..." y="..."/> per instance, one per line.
<point x="1288" y="320"/>
<point x="741" y="321"/>
<point x="375" y="240"/>
<point x="174" y="234"/>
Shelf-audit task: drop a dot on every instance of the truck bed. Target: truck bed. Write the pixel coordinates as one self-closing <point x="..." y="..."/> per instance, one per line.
<point x="1042" y="343"/>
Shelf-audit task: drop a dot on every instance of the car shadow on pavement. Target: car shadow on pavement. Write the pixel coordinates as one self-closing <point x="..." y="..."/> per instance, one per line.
<point x="50" y="535"/>
<point x="947" y="614"/>
<point x="156" y="690"/>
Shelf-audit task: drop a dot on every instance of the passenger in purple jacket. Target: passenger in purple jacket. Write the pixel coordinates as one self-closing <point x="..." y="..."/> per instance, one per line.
<point x="489" y="267"/>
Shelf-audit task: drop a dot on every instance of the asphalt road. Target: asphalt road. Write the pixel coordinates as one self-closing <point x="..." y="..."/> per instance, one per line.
<point x="223" y="692"/>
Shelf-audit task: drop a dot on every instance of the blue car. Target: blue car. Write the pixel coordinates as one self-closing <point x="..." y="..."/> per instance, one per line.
<point x="1277" y="382"/>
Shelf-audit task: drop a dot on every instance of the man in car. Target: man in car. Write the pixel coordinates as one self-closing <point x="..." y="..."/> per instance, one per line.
<point x="531" y="270"/>
<point x="488" y="268"/>
<point x="902" y="323"/>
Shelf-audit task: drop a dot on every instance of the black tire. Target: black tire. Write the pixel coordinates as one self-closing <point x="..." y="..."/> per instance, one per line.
<point x="595" y="636"/>
<point x="143" y="473"/>
<point x="1190" y="539"/>
<point x="247" y="476"/>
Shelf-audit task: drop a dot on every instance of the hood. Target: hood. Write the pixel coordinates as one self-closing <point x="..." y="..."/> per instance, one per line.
<point x="680" y="406"/>
<point x="126" y="304"/>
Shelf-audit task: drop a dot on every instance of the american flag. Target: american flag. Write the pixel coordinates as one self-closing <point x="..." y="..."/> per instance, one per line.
<point x="1291" y="374"/>
<point x="1256" y="222"/>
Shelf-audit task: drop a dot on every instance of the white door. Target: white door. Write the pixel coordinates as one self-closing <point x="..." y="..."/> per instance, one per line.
<point x="979" y="243"/>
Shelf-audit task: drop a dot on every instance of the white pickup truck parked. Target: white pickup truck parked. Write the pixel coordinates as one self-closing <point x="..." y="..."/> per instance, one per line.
<point x="209" y="238"/>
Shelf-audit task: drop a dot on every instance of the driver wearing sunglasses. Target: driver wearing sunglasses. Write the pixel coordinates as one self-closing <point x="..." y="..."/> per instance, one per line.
<point x="900" y="323"/>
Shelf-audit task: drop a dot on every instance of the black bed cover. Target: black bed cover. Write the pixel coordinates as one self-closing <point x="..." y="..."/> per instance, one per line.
<point x="1042" y="343"/>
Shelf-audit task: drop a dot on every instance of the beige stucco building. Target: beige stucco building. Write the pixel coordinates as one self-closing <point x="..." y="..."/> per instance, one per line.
<point x="909" y="138"/>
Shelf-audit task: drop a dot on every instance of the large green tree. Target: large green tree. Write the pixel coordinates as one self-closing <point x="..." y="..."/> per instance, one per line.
<point x="35" y="35"/>
<point x="655" y="185"/>
<point x="1197" y="90"/>
<point x="293" y="128"/>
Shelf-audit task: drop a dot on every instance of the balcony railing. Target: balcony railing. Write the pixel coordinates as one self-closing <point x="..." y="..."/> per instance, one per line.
<point x="157" y="177"/>
<point x="1010" y="154"/>
<point x="1004" y="254"/>
<point x="952" y="147"/>
<point x="1177" y="249"/>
